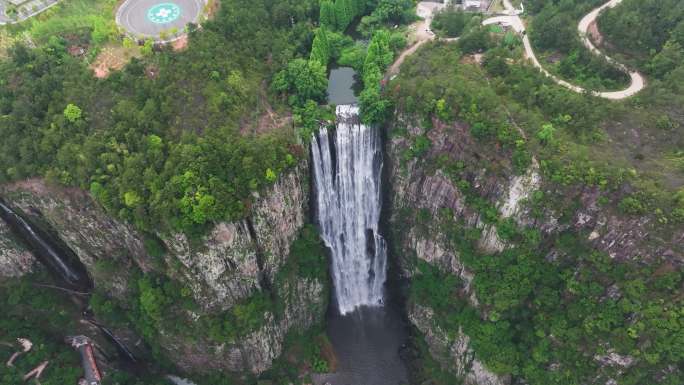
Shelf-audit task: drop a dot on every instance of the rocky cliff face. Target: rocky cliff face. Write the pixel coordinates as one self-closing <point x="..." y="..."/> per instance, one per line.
<point x="417" y="186"/>
<point x="85" y="228"/>
<point x="305" y="304"/>
<point x="15" y="259"/>
<point x="234" y="261"/>
<point x="454" y="352"/>
<point x="237" y="259"/>
<point x="421" y="187"/>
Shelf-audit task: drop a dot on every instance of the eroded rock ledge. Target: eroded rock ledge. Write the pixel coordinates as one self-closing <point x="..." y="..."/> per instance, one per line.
<point x="233" y="262"/>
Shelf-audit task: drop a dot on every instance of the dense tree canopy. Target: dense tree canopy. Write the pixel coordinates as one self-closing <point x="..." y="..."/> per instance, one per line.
<point x="643" y="25"/>
<point x="544" y="307"/>
<point x="650" y="32"/>
<point x="160" y="142"/>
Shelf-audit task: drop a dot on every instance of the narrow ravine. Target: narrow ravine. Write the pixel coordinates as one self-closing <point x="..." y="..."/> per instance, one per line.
<point x="71" y="277"/>
<point x="347" y="164"/>
<point x="364" y="322"/>
<point x="67" y="268"/>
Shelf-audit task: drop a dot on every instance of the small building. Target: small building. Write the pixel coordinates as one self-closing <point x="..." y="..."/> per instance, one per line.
<point x="469" y="5"/>
<point x="472" y="4"/>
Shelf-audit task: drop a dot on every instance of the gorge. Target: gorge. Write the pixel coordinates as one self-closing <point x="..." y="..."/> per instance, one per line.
<point x="450" y="215"/>
<point x="366" y="330"/>
<point x="347" y="167"/>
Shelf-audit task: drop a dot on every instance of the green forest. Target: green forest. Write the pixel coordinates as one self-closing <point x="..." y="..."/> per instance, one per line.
<point x="166" y="143"/>
<point x="174" y="143"/>
<point x="534" y="312"/>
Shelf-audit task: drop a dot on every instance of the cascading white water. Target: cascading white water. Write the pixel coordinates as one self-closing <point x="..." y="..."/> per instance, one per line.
<point x="347" y="171"/>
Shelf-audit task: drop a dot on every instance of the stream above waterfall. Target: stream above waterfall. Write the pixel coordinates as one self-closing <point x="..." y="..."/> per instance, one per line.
<point x="342" y="86"/>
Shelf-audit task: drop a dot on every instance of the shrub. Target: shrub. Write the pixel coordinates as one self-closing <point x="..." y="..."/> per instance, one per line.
<point x="451" y="21"/>
<point x="632" y="205"/>
<point x="72" y="113"/>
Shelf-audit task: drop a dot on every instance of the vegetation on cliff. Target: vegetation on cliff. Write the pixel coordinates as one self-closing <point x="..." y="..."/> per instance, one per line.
<point x="548" y="307"/>
<point x="165" y="143"/>
<point x="160" y="306"/>
<point x="45" y="317"/>
<point x="20" y="299"/>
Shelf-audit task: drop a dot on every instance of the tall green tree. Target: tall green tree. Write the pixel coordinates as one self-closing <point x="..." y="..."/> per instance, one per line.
<point x="379" y="54"/>
<point x="343" y="14"/>
<point x="668" y="59"/>
<point x="373" y="106"/>
<point x="327" y="15"/>
<point x="320" y="49"/>
<point x="302" y="80"/>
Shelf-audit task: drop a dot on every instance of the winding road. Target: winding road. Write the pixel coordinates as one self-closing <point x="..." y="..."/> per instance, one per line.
<point x="637" y="80"/>
<point x="422" y="33"/>
<point x="513" y="20"/>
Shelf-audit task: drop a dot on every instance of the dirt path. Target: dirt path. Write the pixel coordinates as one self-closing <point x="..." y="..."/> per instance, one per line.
<point x="420" y="33"/>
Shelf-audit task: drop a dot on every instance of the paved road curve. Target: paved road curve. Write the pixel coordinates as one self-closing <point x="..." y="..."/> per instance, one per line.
<point x="637" y="80"/>
<point x="422" y="33"/>
<point x="513" y="20"/>
<point x="25" y="11"/>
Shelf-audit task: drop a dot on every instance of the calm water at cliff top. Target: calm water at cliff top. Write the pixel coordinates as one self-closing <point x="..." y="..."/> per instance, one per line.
<point x="341" y="86"/>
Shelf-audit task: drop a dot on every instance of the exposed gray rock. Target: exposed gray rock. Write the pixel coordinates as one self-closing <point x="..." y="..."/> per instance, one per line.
<point x="612" y="358"/>
<point x="624" y="237"/>
<point x="305" y="304"/>
<point x="226" y="269"/>
<point x="278" y="215"/>
<point x="15" y="259"/>
<point x="99" y="241"/>
<point x="419" y="184"/>
<point x="223" y="271"/>
<point x="229" y="265"/>
<point x="432" y="248"/>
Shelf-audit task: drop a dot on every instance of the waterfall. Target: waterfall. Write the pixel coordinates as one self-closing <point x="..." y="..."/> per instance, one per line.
<point x="347" y="168"/>
<point x="68" y="269"/>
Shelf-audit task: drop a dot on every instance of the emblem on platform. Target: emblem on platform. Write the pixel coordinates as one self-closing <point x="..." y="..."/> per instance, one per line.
<point x="163" y="13"/>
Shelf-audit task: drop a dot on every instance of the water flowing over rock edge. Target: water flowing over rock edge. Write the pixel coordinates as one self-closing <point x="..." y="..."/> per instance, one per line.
<point x="347" y="167"/>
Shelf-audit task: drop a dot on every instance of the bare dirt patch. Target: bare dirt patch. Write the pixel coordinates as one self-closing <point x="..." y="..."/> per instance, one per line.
<point x="328" y="353"/>
<point x="268" y="120"/>
<point x="6" y="41"/>
<point x="41" y="187"/>
<point x="211" y="8"/>
<point x="113" y="58"/>
<point x="595" y="34"/>
<point x="180" y="44"/>
<point x="475" y="59"/>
